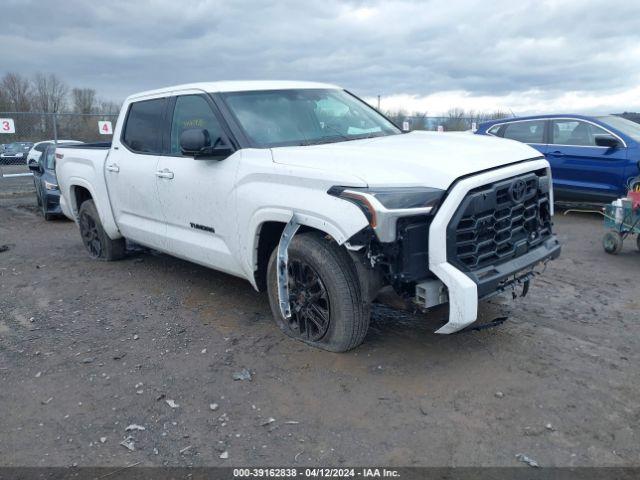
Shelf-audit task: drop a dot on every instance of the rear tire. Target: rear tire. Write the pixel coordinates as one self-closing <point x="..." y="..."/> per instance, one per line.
<point x="327" y="306"/>
<point x="612" y="242"/>
<point x="95" y="239"/>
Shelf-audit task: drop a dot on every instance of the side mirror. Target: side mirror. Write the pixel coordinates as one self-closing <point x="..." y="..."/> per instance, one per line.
<point x="34" y="167"/>
<point x="196" y="142"/>
<point x="606" y="140"/>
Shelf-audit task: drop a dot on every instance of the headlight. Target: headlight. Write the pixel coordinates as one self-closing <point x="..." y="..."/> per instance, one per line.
<point x="20" y="155"/>
<point x="50" y="186"/>
<point x="383" y="206"/>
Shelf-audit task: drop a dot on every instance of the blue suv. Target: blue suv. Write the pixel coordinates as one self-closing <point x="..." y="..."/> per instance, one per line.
<point x="593" y="159"/>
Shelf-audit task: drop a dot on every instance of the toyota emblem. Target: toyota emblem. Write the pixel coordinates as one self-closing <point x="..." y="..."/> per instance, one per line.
<point x="518" y="190"/>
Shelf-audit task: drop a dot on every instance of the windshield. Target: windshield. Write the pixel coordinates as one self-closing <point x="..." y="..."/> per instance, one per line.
<point x="305" y="117"/>
<point x="632" y="129"/>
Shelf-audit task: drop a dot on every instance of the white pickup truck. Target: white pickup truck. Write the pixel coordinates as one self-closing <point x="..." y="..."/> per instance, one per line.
<point x="312" y="195"/>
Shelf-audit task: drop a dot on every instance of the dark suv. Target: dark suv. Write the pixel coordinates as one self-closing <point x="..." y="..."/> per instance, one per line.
<point x="46" y="183"/>
<point x="15" y="153"/>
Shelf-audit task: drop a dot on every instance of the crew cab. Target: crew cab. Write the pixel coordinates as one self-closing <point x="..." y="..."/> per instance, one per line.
<point x="307" y="192"/>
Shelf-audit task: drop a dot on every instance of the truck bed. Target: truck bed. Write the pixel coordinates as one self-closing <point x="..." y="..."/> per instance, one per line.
<point x="83" y="165"/>
<point x="92" y="146"/>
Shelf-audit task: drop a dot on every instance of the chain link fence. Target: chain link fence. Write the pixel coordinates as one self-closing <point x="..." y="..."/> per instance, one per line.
<point x="445" y="124"/>
<point x="20" y="132"/>
<point x="441" y="124"/>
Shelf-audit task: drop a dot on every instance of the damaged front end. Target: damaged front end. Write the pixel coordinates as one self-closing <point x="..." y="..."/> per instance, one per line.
<point x="486" y="236"/>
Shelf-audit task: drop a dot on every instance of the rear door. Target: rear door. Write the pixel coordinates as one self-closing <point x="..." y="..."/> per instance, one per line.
<point x="581" y="169"/>
<point x="130" y="173"/>
<point x="197" y="195"/>
<point x="531" y="132"/>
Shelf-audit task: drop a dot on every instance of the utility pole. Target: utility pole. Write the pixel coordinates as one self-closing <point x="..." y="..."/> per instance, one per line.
<point x="378" y="102"/>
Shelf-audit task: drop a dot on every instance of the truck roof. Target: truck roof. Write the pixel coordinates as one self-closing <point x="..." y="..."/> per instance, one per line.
<point x="234" y="86"/>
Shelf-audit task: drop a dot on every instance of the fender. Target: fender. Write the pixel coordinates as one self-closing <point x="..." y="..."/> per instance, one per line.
<point x="283" y="265"/>
<point x="106" y="217"/>
<point x="283" y="215"/>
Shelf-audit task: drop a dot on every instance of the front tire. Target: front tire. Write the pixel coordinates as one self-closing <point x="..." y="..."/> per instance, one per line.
<point x="327" y="308"/>
<point x="47" y="216"/>
<point x="38" y="199"/>
<point x="95" y="239"/>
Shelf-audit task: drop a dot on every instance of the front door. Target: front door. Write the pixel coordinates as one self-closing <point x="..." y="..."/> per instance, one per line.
<point x="197" y="195"/>
<point x="130" y="172"/>
<point x="582" y="170"/>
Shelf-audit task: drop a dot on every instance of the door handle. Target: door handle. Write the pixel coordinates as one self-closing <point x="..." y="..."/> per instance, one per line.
<point x="113" y="168"/>
<point x="556" y="153"/>
<point x="164" y="174"/>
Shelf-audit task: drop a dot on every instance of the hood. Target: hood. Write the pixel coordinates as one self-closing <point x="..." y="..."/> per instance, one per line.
<point x="432" y="159"/>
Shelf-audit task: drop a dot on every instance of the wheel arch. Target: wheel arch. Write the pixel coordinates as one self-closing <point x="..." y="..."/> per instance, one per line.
<point x="79" y="192"/>
<point x="268" y="230"/>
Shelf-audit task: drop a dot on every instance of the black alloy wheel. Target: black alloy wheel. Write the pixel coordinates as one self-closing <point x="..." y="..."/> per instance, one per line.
<point x="90" y="235"/>
<point x="309" y="300"/>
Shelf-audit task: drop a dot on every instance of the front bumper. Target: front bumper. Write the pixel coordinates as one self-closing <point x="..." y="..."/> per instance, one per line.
<point x="464" y="289"/>
<point x="10" y="159"/>
<point x="52" y="202"/>
<point x="495" y="279"/>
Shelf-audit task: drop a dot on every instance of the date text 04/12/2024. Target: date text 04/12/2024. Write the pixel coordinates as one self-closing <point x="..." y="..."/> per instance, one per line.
<point x="315" y="472"/>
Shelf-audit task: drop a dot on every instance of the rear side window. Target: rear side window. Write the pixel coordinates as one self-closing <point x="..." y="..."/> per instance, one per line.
<point x="50" y="160"/>
<point x="143" y="128"/>
<point x="526" y="132"/>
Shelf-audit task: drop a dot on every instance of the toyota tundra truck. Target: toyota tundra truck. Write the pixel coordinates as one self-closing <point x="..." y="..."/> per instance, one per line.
<point x="315" y="197"/>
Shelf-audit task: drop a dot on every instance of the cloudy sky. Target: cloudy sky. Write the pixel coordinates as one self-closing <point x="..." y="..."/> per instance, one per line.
<point x="520" y="55"/>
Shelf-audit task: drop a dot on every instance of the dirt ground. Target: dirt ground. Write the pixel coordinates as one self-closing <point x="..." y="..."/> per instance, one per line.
<point x="89" y="348"/>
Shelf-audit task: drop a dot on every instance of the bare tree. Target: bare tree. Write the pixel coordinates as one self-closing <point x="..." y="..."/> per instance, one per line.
<point x="84" y="100"/>
<point x="15" y="93"/>
<point x="107" y="107"/>
<point x="397" y="116"/>
<point x="50" y="93"/>
<point x="456" y="120"/>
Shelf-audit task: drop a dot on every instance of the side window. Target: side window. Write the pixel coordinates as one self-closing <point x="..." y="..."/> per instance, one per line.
<point x="193" y="111"/>
<point x="527" y="132"/>
<point x="50" y="160"/>
<point x="41" y="148"/>
<point x="143" y="127"/>
<point x="494" y="130"/>
<point x="575" y="132"/>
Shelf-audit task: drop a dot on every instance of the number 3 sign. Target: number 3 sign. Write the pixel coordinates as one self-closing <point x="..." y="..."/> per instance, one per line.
<point x="105" y="128"/>
<point x="7" y="125"/>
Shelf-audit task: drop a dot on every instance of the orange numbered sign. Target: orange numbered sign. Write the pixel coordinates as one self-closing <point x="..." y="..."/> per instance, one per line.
<point x="105" y="128"/>
<point x="7" y="125"/>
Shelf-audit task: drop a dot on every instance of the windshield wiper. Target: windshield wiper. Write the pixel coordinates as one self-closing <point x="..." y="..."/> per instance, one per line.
<point x="321" y="140"/>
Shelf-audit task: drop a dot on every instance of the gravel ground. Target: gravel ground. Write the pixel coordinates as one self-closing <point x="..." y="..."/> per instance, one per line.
<point x="88" y="349"/>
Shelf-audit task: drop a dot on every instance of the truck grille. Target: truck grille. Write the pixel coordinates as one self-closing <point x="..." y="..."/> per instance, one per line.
<point x="500" y="221"/>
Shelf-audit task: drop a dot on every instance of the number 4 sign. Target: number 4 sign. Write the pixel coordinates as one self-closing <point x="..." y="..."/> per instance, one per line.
<point x="105" y="128"/>
<point x="7" y="125"/>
